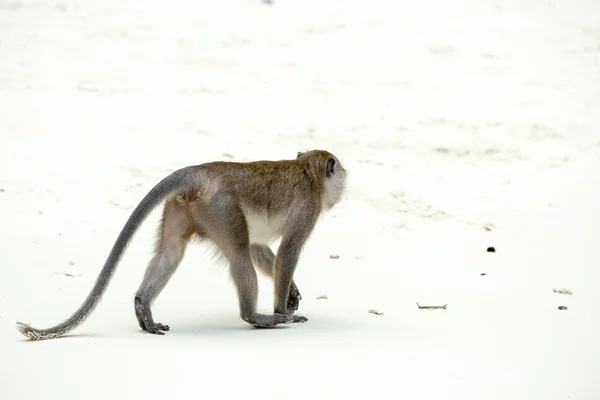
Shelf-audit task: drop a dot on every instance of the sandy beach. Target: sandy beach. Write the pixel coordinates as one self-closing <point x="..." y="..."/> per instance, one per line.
<point x="463" y="125"/>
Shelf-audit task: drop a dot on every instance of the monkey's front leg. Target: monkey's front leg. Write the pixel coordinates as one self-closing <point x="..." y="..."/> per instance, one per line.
<point x="263" y="258"/>
<point x="283" y="274"/>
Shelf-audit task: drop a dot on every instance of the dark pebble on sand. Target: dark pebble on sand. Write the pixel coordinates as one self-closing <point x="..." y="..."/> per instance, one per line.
<point x="491" y="250"/>
<point x="562" y="307"/>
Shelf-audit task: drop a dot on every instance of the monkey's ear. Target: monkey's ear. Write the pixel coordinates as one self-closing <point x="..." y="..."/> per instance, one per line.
<point x="299" y="154"/>
<point x="330" y="164"/>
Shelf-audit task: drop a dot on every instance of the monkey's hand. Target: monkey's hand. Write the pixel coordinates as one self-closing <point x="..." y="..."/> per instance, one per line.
<point x="294" y="299"/>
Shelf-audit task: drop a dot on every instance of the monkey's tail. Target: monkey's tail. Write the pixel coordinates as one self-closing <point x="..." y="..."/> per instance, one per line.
<point x="178" y="181"/>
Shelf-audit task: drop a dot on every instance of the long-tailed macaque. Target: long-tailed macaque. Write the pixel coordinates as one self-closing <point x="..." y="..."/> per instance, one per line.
<point x="240" y="208"/>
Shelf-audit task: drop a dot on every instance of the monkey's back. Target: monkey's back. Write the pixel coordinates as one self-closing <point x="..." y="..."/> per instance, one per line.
<point x="265" y="187"/>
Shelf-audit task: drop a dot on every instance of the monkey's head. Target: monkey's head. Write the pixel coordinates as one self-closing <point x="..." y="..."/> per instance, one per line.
<point x="330" y="171"/>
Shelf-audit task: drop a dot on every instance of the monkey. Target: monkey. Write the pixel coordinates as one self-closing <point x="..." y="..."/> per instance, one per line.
<point x="239" y="208"/>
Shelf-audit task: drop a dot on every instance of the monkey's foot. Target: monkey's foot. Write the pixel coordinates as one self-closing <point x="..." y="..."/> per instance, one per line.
<point x="297" y="319"/>
<point x="294" y="299"/>
<point x="156" y="328"/>
<point x="145" y="320"/>
<point x="268" y="321"/>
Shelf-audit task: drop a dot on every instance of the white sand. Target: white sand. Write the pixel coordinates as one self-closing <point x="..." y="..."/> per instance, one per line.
<point x="449" y="116"/>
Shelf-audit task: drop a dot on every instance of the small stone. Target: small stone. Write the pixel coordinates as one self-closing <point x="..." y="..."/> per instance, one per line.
<point x="322" y="297"/>
<point x="491" y="250"/>
<point x="562" y="308"/>
<point x="483" y="274"/>
<point x="334" y="256"/>
<point x="375" y="312"/>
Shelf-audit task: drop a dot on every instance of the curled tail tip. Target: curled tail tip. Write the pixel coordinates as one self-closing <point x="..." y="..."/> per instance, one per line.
<point x="28" y="331"/>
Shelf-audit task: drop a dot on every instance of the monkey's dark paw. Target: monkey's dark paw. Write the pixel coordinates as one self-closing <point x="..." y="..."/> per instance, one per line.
<point x="268" y="321"/>
<point x="293" y="303"/>
<point x="294" y="299"/>
<point x="144" y="317"/>
<point x="156" y="328"/>
<point x="162" y="327"/>
<point x="298" y="319"/>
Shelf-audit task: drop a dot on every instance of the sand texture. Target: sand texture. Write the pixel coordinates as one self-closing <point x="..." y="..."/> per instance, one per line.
<point x="463" y="124"/>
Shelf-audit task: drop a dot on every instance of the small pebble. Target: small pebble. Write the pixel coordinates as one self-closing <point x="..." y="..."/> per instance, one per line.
<point x="562" y="307"/>
<point x="491" y="250"/>
<point x="483" y="274"/>
<point x="375" y="312"/>
<point x="1" y="190"/>
<point x="334" y="256"/>
<point x="322" y="297"/>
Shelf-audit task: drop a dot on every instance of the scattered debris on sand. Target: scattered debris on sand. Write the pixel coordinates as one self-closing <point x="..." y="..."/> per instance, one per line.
<point x="562" y="291"/>
<point x="375" y="312"/>
<point x="322" y="297"/>
<point x="432" y="307"/>
<point x="66" y="274"/>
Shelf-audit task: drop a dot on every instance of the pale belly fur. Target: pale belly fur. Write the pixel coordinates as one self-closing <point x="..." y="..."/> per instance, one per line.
<point x="263" y="229"/>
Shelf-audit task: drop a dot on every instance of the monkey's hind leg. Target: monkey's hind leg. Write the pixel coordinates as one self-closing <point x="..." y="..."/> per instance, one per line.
<point x="174" y="232"/>
<point x="263" y="258"/>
